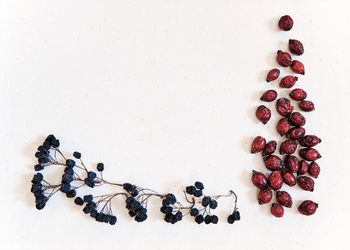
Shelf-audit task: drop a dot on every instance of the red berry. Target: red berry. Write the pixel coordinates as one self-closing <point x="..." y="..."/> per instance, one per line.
<point x="296" y="47"/>
<point x="308" y="207"/>
<point x="258" y="144"/>
<point x="270" y="148"/>
<point x="288" y="81"/>
<point x="283" y="58"/>
<point x="292" y="163"/>
<point x="309" y="141"/>
<point x="296" y="133"/>
<point x="306" y="106"/>
<point x="298" y="94"/>
<point x="275" y="180"/>
<point x="297" y="119"/>
<point x="272" y="75"/>
<point x="265" y="196"/>
<point x="306" y="183"/>
<point x="289" y="178"/>
<point x="259" y="180"/>
<point x="309" y="154"/>
<point x="284" y="198"/>
<point x="263" y="114"/>
<point x="277" y="210"/>
<point x="283" y="107"/>
<point x="298" y="67"/>
<point x="273" y="162"/>
<point x="283" y="126"/>
<point x="303" y="167"/>
<point x="314" y="169"/>
<point x="269" y="95"/>
<point x="285" y="23"/>
<point x="288" y="147"/>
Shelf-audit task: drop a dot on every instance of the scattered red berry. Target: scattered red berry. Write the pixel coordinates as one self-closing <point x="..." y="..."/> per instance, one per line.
<point x="303" y="167"/>
<point x="308" y="207"/>
<point x="283" y="126"/>
<point x="309" y="141"/>
<point x="288" y="81"/>
<point x="298" y="94"/>
<point x="258" y="144"/>
<point x="296" y="47"/>
<point x="314" y="169"/>
<point x="296" y="133"/>
<point x="306" y="106"/>
<point x="273" y="162"/>
<point x="259" y="180"/>
<point x="306" y="183"/>
<point x="263" y="114"/>
<point x="288" y="147"/>
<point x="297" y="119"/>
<point x="265" y="196"/>
<point x="298" y="67"/>
<point x="309" y="154"/>
<point x="272" y="75"/>
<point x="270" y="148"/>
<point x="292" y="163"/>
<point x="285" y="23"/>
<point x="283" y="58"/>
<point x="289" y="178"/>
<point x="269" y="95"/>
<point x="284" y="107"/>
<point x="277" y="210"/>
<point x="275" y="180"/>
<point x="284" y="198"/>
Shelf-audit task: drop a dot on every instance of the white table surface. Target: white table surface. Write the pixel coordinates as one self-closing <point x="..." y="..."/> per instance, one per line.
<point x="164" y="93"/>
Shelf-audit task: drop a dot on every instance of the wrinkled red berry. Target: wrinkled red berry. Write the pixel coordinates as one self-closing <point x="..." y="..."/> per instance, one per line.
<point x="298" y="67"/>
<point x="309" y="154"/>
<point x="258" y="144"/>
<point x="265" y="196"/>
<point x="314" y="169"/>
<point x="288" y="147"/>
<point x="289" y="178"/>
<point x="309" y="141"/>
<point x="306" y="183"/>
<point x="283" y="58"/>
<point x="270" y="148"/>
<point x="284" y="107"/>
<point x="263" y="114"/>
<point x="272" y="75"/>
<point x="292" y="163"/>
<point x="296" y="133"/>
<point x="275" y="180"/>
<point x="283" y="126"/>
<point x="298" y="94"/>
<point x="308" y="207"/>
<point x="303" y="167"/>
<point x="296" y="47"/>
<point x="273" y="162"/>
<point x="288" y="81"/>
<point x="285" y="23"/>
<point x="269" y="95"/>
<point x="297" y="119"/>
<point x="259" y="180"/>
<point x="284" y="198"/>
<point x="306" y="106"/>
<point x="277" y="210"/>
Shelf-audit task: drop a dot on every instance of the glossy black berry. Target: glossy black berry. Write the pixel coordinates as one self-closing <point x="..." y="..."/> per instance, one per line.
<point x="213" y="204"/>
<point x="38" y="167"/>
<point x="88" y="198"/>
<point x="91" y="175"/>
<point x="79" y="201"/>
<point x="207" y="219"/>
<point x="199" y="219"/>
<point x="70" y="163"/>
<point x="71" y="193"/>
<point x="190" y="189"/>
<point x="214" y="219"/>
<point x="198" y="193"/>
<point x="199" y="185"/>
<point x="100" y="167"/>
<point x="194" y="212"/>
<point x="113" y="220"/>
<point x="205" y="201"/>
<point x="236" y="215"/>
<point x="77" y="155"/>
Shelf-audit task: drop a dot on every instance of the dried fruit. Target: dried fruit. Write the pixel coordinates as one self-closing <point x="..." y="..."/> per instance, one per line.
<point x="314" y="169"/>
<point x="298" y="94"/>
<point x="296" y="47"/>
<point x="288" y="81"/>
<point x="285" y="23"/>
<point x="258" y="144"/>
<point x="269" y="95"/>
<point x="265" y="196"/>
<point x="309" y="154"/>
<point x="298" y="67"/>
<point x="308" y="207"/>
<point x="275" y="180"/>
<point x="273" y="162"/>
<point x="288" y="147"/>
<point x="263" y="114"/>
<point x="284" y="198"/>
<point x="283" y="58"/>
<point x="309" y="141"/>
<point x="289" y="178"/>
<point x="303" y="167"/>
<point x="292" y="163"/>
<point x="272" y="75"/>
<point x="306" y="106"/>
<point x="306" y="183"/>
<point x="284" y="107"/>
<point x="277" y="210"/>
<point x="270" y="148"/>
<point x="259" y="180"/>
<point x="297" y="119"/>
<point x="283" y="126"/>
<point x="296" y="133"/>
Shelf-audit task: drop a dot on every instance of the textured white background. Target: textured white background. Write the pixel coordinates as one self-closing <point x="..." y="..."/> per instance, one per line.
<point x="164" y="93"/>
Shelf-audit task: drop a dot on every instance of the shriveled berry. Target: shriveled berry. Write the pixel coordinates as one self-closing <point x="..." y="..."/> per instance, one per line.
<point x="285" y="23"/>
<point x="296" y="47"/>
<point x="306" y="183"/>
<point x="258" y="144"/>
<point x="314" y="169"/>
<point x="292" y="163"/>
<point x="284" y="198"/>
<point x="283" y="58"/>
<point x="263" y="114"/>
<point x="265" y="196"/>
<point x="297" y="119"/>
<point x="288" y="147"/>
<point x="272" y="75"/>
<point x="298" y="67"/>
<point x="259" y="180"/>
<point x="296" y="133"/>
<point x="306" y="106"/>
<point x="288" y="81"/>
<point x="269" y="95"/>
<point x="309" y="141"/>
<point x="284" y="107"/>
<point x="270" y="148"/>
<point x="309" y="154"/>
<point x="289" y="178"/>
<point x="283" y="126"/>
<point x="308" y="207"/>
<point x="273" y="162"/>
<point x="275" y="180"/>
<point x="303" y="167"/>
<point x="298" y="94"/>
<point x="277" y="210"/>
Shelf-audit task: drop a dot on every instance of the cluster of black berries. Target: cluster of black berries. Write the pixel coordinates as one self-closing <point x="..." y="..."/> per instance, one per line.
<point x="172" y="214"/>
<point x="136" y="209"/>
<point x="37" y="190"/>
<point x="43" y="153"/>
<point x="90" y="179"/>
<point x="195" y="190"/>
<point x="235" y="216"/>
<point x="67" y="178"/>
<point x="131" y="189"/>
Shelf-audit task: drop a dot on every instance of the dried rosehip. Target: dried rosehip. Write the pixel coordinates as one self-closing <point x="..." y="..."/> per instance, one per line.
<point x="309" y="141"/>
<point x="263" y="114"/>
<point x="288" y="147"/>
<point x="296" y="47"/>
<point x="303" y="167"/>
<point x="265" y="196"/>
<point x="308" y="207"/>
<point x="283" y="107"/>
<point x="296" y="133"/>
<point x="288" y="81"/>
<point x="259" y="180"/>
<point x="306" y="106"/>
<point x="269" y="95"/>
<point x="270" y="148"/>
<point x="258" y="144"/>
<point x="283" y="126"/>
<point x="314" y="169"/>
<point x="285" y="23"/>
<point x="289" y="178"/>
<point x="297" y="119"/>
<point x="283" y="58"/>
<point x="273" y="162"/>
<point x="306" y="183"/>
<point x="272" y="75"/>
<point x="284" y="198"/>
<point x="292" y="163"/>
<point x="275" y="180"/>
<point x="298" y="94"/>
<point x="298" y="67"/>
<point x="309" y="154"/>
<point x="277" y="210"/>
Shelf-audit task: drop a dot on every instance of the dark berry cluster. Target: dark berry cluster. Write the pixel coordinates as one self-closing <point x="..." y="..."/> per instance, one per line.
<point x="38" y="191"/>
<point x="170" y="209"/>
<point x="136" y="208"/>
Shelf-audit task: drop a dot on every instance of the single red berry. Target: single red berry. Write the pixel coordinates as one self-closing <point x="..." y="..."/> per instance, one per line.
<point x="306" y="106"/>
<point x="258" y="144"/>
<point x="285" y="23"/>
<point x="296" y="47"/>
<point x="272" y="75"/>
<point x="309" y="141"/>
<point x="298" y="94"/>
<point x="270" y="148"/>
<point x="297" y="119"/>
<point x="289" y="178"/>
<point x="283" y="126"/>
<point x="306" y="183"/>
<point x="292" y="163"/>
<point x="308" y="207"/>
<point x="298" y="67"/>
<point x="277" y="210"/>
<point x="259" y="180"/>
<point x="288" y="147"/>
<point x="296" y="133"/>
<point x="288" y="81"/>
<point x="309" y="154"/>
<point x="263" y="114"/>
<point x="314" y="169"/>
<point x="283" y="107"/>
<point x="273" y="162"/>
<point x="284" y="198"/>
<point x="303" y="167"/>
<point x="269" y="95"/>
<point x="275" y="180"/>
<point x="283" y="58"/>
<point x="265" y="196"/>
